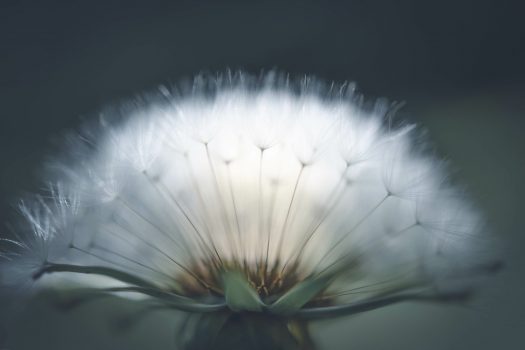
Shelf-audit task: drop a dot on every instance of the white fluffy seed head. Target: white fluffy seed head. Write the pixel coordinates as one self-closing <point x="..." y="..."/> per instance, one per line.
<point x="253" y="172"/>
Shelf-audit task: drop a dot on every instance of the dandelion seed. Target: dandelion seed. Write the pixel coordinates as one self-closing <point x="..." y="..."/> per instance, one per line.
<point x="256" y="206"/>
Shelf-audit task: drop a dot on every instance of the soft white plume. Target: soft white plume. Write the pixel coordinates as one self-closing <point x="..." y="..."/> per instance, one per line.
<point x="253" y="171"/>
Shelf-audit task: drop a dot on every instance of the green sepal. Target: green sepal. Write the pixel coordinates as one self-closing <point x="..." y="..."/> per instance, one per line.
<point x="293" y="300"/>
<point x="239" y="294"/>
<point x="175" y="301"/>
<point x="95" y="270"/>
<point x="378" y="302"/>
<point x="138" y="286"/>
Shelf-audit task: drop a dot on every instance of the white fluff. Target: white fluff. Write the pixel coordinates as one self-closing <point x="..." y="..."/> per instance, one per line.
<point x="264" y="170"/>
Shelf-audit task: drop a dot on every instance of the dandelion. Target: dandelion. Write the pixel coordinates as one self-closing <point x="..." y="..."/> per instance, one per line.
<point x="253" y="206"/>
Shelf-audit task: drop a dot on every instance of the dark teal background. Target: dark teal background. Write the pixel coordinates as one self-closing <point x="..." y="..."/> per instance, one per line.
<point x="459" y="65"/>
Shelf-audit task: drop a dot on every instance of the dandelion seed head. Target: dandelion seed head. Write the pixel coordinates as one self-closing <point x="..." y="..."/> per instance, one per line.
<point x="282" y="182"/>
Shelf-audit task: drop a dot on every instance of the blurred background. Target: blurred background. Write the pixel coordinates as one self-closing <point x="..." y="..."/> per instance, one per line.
<point x="459" y="66"/>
